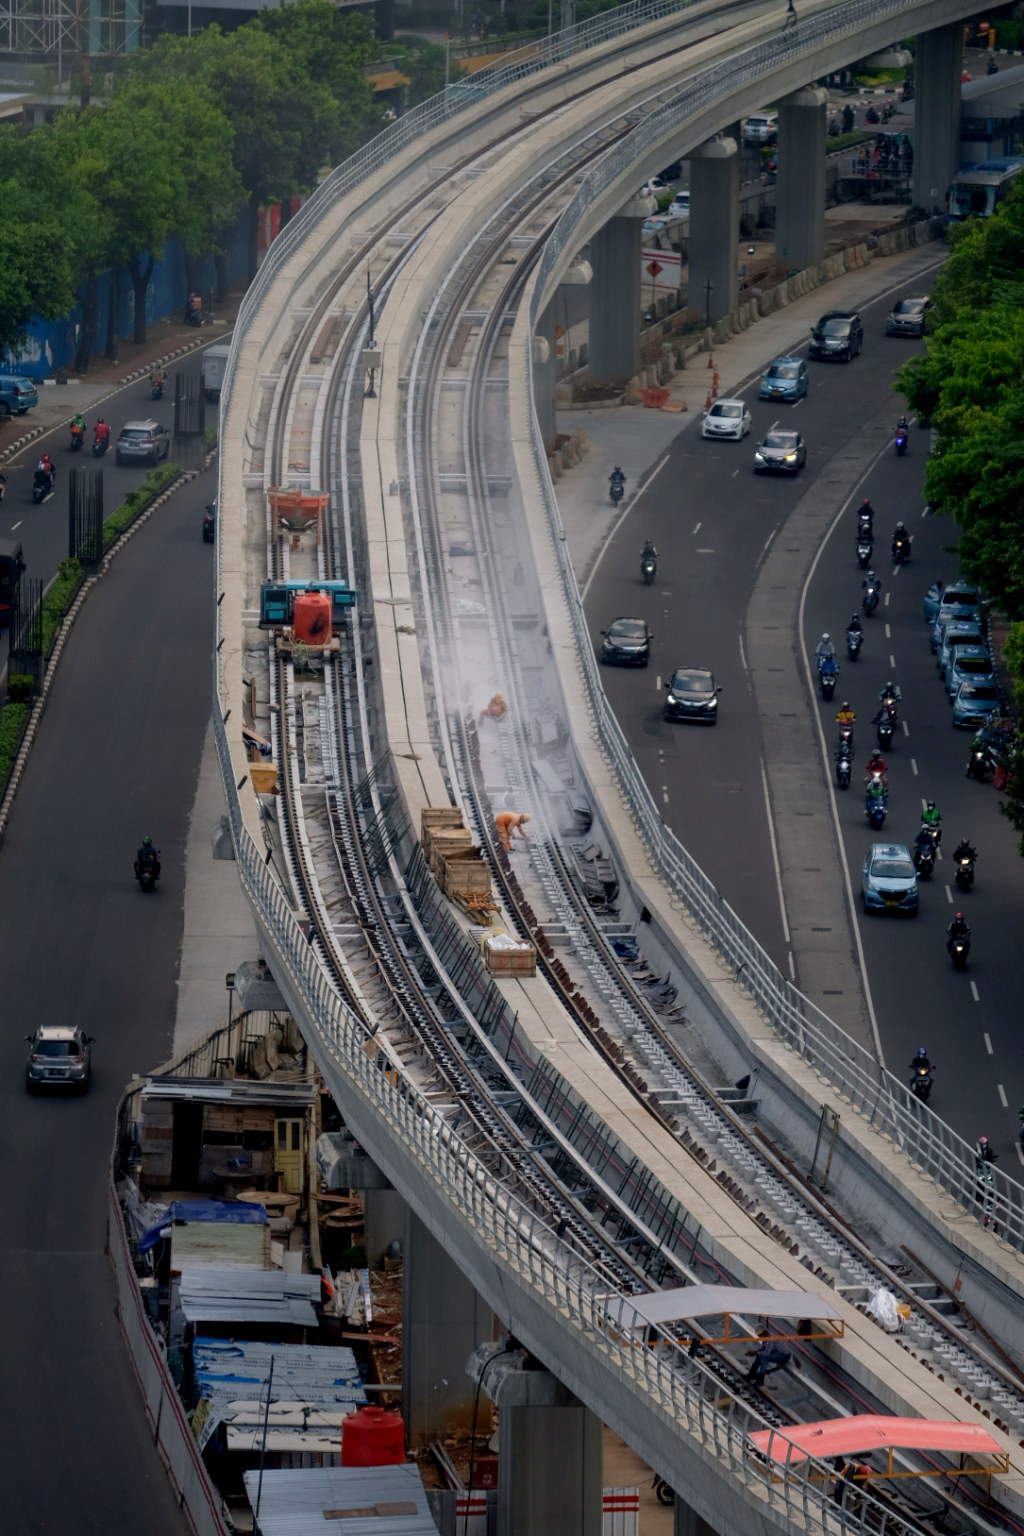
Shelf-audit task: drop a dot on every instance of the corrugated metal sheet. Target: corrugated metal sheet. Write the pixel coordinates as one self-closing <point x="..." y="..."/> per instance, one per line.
<point x="301" y="1502"/>
<point x="314" y="1387"/>
<point x="288" y="1097"/>
<point x="211" y="1294"/>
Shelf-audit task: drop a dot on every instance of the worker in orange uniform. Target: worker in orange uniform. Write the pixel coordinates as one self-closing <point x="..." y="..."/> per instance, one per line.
<point x="497" y="709"/>
<point x="508" y="822"/>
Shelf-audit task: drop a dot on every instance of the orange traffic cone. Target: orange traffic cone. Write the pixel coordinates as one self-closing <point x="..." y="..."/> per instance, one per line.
<point x="714" y="385"/>
<point x="707" y="402"/>
<point x="711" y="359"/>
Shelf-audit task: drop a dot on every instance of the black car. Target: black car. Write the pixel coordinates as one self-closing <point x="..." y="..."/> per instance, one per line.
<point x="838" y="336"/>
<point x="692" y="695"/>
<point x="780" y="453"/>
<point x="627" y="643"/>
<point x="907" y="317"/>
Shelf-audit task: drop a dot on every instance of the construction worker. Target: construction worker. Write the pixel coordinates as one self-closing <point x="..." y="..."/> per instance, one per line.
<point x="509" y="822"/>
<point x="497" y="709"/>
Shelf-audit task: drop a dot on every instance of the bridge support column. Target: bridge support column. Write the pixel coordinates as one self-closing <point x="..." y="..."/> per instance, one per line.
<point x="800" y="189"/>
<point x="936" y="115"/>
<point x="443" y="1321"/>
<point x="688" y="1522"/>
<point x="615" y="253"/>
<point x="714" y="228"/>
<point x="545" y="376"/>
<point x="549" y="1459"/>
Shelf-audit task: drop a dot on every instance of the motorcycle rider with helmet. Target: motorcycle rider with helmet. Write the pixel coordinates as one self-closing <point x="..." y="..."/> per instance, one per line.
<point x="957" y="929"/>
<point x="921" y="1060"/>
<point x="876" y="764"/>
<point x="148" y="855"/>
<point x="931" y="820"/>
<point x="845" y="715"/>
<point x="825" y="650"/>
<point x="964" y="850"/>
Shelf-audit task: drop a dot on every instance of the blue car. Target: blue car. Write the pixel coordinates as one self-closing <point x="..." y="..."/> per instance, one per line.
<point x="932" y="599"/>
<point x="785" y="379"/>
<point x="969" y="664"/>
<point x="889" y="880"/>
<point x="17" y="395"/>
<point x="976" y="704"/>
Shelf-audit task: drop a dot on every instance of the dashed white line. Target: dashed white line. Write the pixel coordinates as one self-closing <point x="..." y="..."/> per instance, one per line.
<point x="974" y="991"/>
<point x="705" y="551"/>
<point x="743" y="655"/>
<point x="988" y="1043"/>
<point x="892" y="661"/>
<point x="664" y="794"/>
<point x="913" y="764"/>
<point x="906" y="729"/>
<point x="16" y="526"/>
<point x="886" y="603"/>
<point x="949" y="898"/>
<point x="1004" y="1101"/>
<point x="696" y="529"/>
<point x="888" y="632"/>
<point x="1020" y="1152"/>
<point x="657" y="683"/>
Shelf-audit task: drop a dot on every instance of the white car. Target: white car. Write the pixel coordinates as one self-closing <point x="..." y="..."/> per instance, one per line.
<point x="726" y="418"/>
<point x="679" y="207"/>
<point x="654" y="187"/>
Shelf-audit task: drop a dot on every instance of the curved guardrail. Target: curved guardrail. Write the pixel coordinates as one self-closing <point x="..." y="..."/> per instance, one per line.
<point x="679" y="1389"/>
<point x="878" y="1096"/>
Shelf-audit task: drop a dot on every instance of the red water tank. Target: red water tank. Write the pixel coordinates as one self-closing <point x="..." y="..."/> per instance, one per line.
<point x="372" y="1438"/>
<point x="311" y="618"/>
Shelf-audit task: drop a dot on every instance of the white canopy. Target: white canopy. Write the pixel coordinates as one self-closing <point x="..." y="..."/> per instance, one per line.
<point x="689" y="1301"/>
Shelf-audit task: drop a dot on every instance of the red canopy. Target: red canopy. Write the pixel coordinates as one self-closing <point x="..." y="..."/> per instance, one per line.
<point x="871" y="1432"/>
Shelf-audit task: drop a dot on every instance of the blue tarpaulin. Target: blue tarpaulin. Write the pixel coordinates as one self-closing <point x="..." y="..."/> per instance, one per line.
<point x="202" y="1210"/>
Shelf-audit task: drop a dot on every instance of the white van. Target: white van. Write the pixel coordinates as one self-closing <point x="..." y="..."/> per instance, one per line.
<point x="214" y="362"/>
<point x="762" y="128"/>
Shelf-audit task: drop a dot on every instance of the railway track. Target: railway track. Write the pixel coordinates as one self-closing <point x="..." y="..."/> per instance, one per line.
<point x="375" y="929"/>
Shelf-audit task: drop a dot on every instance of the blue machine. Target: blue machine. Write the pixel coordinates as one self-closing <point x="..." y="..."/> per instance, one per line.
<point x="277" y="600"/>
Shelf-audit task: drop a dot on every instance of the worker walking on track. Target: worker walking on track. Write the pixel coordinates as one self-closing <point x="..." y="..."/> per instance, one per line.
<point x="497" y="709"/>
<point x="509" y="822"/>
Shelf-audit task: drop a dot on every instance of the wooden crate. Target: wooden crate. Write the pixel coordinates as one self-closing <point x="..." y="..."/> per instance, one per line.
<point x="465" y="873"/>
<point x="521" y="961"/>
<point x="434" y="818"/>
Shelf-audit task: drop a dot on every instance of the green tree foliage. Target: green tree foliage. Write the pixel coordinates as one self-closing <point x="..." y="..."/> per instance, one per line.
<point x="37" y="258"/>
<point x="970" y="386"/>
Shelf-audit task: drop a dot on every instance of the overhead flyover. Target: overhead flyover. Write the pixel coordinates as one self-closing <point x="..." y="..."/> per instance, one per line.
<point x="442" y="182"/>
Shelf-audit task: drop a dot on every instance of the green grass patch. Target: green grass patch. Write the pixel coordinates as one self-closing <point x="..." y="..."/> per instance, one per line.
<point x="13" y="720"/>
<point x="847" y="140"/>
<point x="135" y="502"/>
<point x="881" y="77"/>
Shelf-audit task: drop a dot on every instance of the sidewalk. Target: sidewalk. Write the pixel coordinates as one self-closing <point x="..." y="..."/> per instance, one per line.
<point x="819" y="919"/>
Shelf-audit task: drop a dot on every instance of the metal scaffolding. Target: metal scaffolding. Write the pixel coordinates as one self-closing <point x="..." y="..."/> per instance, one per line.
<point x="61" y="30"/>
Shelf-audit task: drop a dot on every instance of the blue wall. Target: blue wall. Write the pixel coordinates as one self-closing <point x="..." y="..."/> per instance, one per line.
<point x="53" y="344"/>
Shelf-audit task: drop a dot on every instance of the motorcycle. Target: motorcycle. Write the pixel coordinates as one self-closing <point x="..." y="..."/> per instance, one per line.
<point x="100" y="446"/>
<point x="870" y="599"/>
<point x="147" y="872"/>
<point x="901" y="438"/>
<point x="844" y="766"/>
<point x="901" y="549"/>
<point x="616" y="490"/>
<point x="871" y="116"/>
<point x="846" y="735"/>
<point x="889" y="110"/>
<point x="663" y="1492"/>
<point x="834" y="129"/>
<point x="959" y="948"/>
<point x="828" y="671"/>
<point x="848" y="120"/>
<point x="924" y="860"/>
<point x="209" y="523"/>
<point x="42" y="486"/>
<point x="991" y="67"/>
<point x="156" y="388"/>
<point x="77" y="438"/>
<point x="863" y="552"/>
<point x="875" y="809"/>
<point x="854" y="641"/>
<point x="921" y="1083"/>
<point x="964" y="873"/>
<point x="884" y="735"/>
<point x="865" y="526"/>
<point x="980" y="764"/>
<point x="648" y="569"/>
<point x="194" y="316"/>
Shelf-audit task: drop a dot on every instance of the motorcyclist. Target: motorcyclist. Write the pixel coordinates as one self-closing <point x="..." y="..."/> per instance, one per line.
<point x="932" y="820"/>
<point x="616" y="477"/>
<point x="845" y="715"/>
<point x="903" y="425"/>
<point x="866" y="512"/>
<point x="101" y="431"/>
<point x="855" y="624"/>
<point x="900" y="541"/>
<point x="78" y="425"/>
<point x="957" y="929"/>
<point x="984" y="1151"/>
<point x="46" y="464"/>
<point x="147" y="854"/>
<point x="886" y="718"/>
<point x="648" y="552"/>
<point x="875" y="792"/>
<point x="825" y="650"/>
<point x="889" y="694"/>
<point x="158" y="379"/>
<point x="924" y="839"/>
<point x="876" y="764"/>
<point x="871" y="583"/>
<point x="921" y="1061"/>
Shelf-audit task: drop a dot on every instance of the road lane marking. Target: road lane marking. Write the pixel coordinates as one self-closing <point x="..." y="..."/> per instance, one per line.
<point x="705" y="551"/>
<point x="775" y="854"/>
<point x="886" y="603"/>
<point x="988" y="1043"/>
<point x="888" y="632"/>
<point x="657" y="683"/>
<point x="696" y="529"/>
<point x="892" y="661"/>
<point x="1020" y="1152"/>
<point x="664" y="793"/>
<point x="906" y="729"/>
<point x="1004" y="1101"/>
<point x="949" y="894"/>
<point x="17" y="525"/>
<point x="743" y="655"/>
<point x="792" y="977"/>
<point x="974" y="991"/>
<point x="913" y="764"/>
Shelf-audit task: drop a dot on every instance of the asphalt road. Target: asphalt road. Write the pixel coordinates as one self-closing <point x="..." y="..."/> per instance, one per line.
<point x="713" y="520"/>
<point x="116" y="758"/>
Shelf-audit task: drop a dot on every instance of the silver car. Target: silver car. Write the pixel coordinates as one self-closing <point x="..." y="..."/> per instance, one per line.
<point x="143" y="440"/>
<point x="59" y="1057"/>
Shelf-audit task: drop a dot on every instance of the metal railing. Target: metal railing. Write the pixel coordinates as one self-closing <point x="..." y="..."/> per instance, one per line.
<point x="680" y="1391"/>
<point x="879" y="1097"/>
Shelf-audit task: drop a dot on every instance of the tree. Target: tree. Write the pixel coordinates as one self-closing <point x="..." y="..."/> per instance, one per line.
<point x="37" y="260"/>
